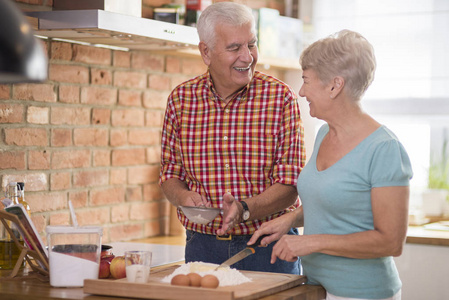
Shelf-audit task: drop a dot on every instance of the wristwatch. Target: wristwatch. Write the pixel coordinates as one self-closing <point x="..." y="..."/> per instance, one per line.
<point x="245" y="215"/>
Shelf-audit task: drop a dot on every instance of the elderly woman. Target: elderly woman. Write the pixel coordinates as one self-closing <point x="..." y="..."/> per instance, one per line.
<point x="355" y="187"/>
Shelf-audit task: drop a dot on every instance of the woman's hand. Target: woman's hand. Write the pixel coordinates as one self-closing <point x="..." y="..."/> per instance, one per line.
<point x="275" y="228"/>
<point x="231" y="214"/>
<point x="290" y="247"/>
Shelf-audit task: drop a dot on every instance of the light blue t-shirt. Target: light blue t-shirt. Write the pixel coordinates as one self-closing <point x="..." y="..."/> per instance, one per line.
<point x="338" y="201"/>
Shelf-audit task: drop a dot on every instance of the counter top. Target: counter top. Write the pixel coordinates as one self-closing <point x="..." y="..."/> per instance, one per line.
<point x="415" y="235"/>
<point x="166" y="254"/>
<point x="427" y="236"/>
<point x="34" y="289"/>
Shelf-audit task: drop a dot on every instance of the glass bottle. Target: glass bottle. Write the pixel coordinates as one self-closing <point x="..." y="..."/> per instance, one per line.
<point x="9" y="252"/>
<point x="12" y="192"/>
<point x="21" y="197"/>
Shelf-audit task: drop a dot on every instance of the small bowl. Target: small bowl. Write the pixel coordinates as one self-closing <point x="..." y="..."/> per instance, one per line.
<point x="200" y="214"/>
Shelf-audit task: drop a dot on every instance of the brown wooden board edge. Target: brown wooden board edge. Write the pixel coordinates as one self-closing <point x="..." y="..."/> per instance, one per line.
<point x="256" y="294"/>
<point x="152" y="291"/>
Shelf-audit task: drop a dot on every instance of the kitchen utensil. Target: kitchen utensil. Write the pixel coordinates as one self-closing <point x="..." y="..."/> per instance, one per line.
<point x="72" y="214"/>
<point x="242" y="254"/>
<point x="200" y="214"/>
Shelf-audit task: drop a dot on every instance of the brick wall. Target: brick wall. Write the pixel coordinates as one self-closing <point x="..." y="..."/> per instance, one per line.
<point x="91" y="134"/>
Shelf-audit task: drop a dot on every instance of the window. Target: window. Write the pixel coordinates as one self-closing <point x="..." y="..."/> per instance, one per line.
<point x="410" y="93"/>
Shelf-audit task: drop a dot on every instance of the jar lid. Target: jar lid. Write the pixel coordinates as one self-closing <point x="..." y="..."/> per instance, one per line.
<point x="74" y="230"/>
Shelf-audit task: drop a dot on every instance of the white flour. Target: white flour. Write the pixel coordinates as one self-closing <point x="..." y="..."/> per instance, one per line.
<point x="199" y="219"/>
<point x="70" y="271"/>
<point x="227" y="276"/>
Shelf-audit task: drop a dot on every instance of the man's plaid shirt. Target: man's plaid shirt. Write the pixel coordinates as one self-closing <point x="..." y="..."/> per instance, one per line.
<point x="243" y="147"/>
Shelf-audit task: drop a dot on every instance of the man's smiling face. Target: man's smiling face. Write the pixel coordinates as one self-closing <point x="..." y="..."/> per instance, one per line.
<point x="232" y="60"/>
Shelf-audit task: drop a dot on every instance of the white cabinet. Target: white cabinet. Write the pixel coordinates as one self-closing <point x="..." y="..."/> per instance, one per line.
<point x="424" y="271"/>
<point x="99" y="27"/>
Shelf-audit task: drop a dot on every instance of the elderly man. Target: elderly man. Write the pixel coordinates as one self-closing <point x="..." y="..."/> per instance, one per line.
<point x="232" y="138"/>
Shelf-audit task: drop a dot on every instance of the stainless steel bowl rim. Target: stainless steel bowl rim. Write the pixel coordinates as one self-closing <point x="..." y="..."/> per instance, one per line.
<point x="200" y="208"/>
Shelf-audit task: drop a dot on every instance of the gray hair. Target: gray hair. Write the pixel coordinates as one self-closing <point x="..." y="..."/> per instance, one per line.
<point x="231" y="13"/>
<point x="347" y="54"/>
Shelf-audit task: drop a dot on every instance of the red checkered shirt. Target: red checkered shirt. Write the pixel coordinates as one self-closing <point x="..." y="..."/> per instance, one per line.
<point x="242" y="147"/>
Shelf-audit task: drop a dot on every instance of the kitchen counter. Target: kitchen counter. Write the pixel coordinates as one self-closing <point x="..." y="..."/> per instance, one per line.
<point x="415" y="235"/>
<point x="34" y="289"/>
<point x="426" y="236"/>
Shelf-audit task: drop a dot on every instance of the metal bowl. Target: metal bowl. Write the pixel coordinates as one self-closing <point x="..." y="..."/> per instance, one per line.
<point x="200" y="214"/>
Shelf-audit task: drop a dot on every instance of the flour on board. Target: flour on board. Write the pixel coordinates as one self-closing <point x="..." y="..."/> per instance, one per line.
<point x="227" y="276"/>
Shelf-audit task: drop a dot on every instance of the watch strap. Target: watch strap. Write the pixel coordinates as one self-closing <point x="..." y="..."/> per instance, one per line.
<point x="245" y="206"/>
<point x="245" y="215"/>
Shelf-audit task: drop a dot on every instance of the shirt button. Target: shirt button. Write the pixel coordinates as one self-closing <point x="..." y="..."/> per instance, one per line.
<point x="227" y="166"/>
<point x="227" y="110"/>
<point x="225" y="138"/>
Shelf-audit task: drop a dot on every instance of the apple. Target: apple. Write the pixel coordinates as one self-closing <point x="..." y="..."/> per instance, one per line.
<point x="105" y="263"/>
<point x="117" y="267"/>
<point x="104" y="269"/>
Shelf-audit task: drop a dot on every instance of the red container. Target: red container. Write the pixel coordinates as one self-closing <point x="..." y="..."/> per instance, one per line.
<point x="106" y="250"/>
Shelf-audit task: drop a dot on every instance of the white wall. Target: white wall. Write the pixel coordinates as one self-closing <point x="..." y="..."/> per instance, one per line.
<point x="410" y="37"/>
<point x="294" y="79"/>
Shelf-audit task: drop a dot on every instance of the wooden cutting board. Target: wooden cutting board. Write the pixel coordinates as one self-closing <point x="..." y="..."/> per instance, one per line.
<point x="262" y="284"/>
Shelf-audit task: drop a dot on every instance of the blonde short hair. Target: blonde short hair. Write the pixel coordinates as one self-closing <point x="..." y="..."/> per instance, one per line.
<point x="230" y="13"/>
<point x="347" y="54"/>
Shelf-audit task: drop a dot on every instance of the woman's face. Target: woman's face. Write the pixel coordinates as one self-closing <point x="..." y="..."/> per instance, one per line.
<point x="316" y="93"/>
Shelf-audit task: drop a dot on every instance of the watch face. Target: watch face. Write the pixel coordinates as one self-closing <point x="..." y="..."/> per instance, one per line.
<point x="246" y="215"/>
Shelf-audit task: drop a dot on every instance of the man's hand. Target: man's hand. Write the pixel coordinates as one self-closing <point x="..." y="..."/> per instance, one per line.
<point x="232" y="212"/>
<point x="179" y="194"/>
<point x="190" y="198"/>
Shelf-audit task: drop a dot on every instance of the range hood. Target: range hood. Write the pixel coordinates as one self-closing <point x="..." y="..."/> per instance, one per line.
<point x="99" y="27"/>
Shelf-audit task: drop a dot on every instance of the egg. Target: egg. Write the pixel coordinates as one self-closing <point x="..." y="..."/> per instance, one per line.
<point x="195" y="279"/>
<point x="180" y="279"/>
<point x="209" y="281"/>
